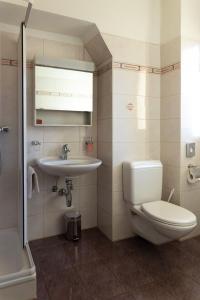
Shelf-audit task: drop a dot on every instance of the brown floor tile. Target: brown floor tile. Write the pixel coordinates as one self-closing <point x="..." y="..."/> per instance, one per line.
<point x="182" y="287"/>
<point x="122" y="297"/>
<point x="64" y="285"/>
<point x="94" y="271"/>
<point x="106" y="289"/>
<point x="81" y="253"/>
<point x="153" y="291"/>
<point x="47" y="242"/>
<point x="97" y="269"/>
<point x="41" y="288"/>
<point x="53" y="259"/>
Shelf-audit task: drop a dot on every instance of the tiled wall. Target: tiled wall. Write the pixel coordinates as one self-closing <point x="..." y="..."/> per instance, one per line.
<point x="136" y="116"/>
<point x="128" y="124"/>
<point x="190" y="123"/>
<point x="105" y="152"/>
<point x="101" y="55"/>
<point x="180" y="122"/>
<point x="143" y="113"/>
<point x="130" y="120"/>
<point x="170" y="119"/>
<point x="46" y="209"/>
<point x="8" y="142"/>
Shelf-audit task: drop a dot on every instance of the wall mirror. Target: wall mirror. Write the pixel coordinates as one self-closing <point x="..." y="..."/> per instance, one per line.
<point x="63" y="93"/>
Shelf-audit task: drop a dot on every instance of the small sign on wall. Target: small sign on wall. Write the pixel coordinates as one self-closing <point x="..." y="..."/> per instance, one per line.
<point x="190" y="150"/>
<point x="130" y="106"/>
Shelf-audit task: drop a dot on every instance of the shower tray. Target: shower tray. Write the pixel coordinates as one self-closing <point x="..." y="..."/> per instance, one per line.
<point x="17" y="269"/>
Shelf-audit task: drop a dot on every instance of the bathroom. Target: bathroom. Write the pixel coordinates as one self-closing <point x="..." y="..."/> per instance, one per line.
<point x="139" y="135"/>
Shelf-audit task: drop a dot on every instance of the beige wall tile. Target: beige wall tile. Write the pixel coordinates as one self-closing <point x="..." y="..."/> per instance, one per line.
<point x="62" y="50"/>
<point x="89" y="217"/>
<point x="105" y="130"/>
<point x="105" y="84"/>
<point x="170" y="153"/>
<point x="122" y="228"/>
<point x="133" y="51"/>
<point x="137" y="107"/>
<point x="105" y="198"/>
<point x="9" y="45"/>
<point x="152" y="150"/>
<point x="105" y="222"/>
<point x="105" y="175"/>
<point x="170" y="107"/>
<point x="105" y="107"/>
<point x="105" y="152"/>
<point x="190" y="200"/>
<point x="170" y="84"/>
<point x="35" y="47"/>
<point x="61" y="134"/>
<point x="136" y="83"/>
<point x="53" y="224"/>
<point x="119" y="205"/>
<point x="97" y="49"/>
<point x="35" y="227"/>
<point x="36" y="204"/>
<point x="170" y="130"/>
<point x="88" y="179"/>
<point x="171" y="52"/>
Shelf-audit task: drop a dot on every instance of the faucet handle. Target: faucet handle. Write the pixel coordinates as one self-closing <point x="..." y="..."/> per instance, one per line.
<point x="65" y="148"/>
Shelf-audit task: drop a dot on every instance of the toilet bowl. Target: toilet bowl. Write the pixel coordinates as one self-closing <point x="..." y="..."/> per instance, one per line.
<point x="155" y="220"/>
<point x="168" y="219"/>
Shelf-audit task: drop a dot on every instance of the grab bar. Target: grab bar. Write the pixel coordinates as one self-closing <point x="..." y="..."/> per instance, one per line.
<point x="4" y="129"/>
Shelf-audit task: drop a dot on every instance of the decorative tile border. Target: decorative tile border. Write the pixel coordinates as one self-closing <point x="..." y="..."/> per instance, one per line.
<point x="8" y="62"/>
<point x="147" y="69"/>
<point x="14" y="63"/>
<point x="109" y="66"/>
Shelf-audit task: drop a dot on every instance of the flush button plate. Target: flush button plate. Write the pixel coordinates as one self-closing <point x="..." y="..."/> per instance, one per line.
<point x="190" y="150"/>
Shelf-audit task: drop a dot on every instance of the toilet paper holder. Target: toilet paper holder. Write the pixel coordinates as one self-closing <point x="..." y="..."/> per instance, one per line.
<point x="193" y="174"/>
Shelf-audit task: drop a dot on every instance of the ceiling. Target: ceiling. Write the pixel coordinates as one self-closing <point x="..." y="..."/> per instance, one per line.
<point x="14" y="14"/>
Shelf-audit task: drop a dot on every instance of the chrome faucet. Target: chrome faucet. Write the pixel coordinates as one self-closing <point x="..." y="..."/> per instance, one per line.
<point x="65" y="151"/>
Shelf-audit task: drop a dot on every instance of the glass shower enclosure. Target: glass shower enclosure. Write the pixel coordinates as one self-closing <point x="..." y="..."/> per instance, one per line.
<point x="17" y="272"/>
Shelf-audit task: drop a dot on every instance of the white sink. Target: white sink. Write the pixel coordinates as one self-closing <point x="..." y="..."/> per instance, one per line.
<point x="71" y="167"/>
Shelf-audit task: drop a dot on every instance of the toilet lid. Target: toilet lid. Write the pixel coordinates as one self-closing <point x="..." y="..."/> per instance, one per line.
<point x="168" y="213"/>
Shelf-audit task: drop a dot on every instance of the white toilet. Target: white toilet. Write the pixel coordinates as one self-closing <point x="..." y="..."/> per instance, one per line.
<point x="155" y="220"/>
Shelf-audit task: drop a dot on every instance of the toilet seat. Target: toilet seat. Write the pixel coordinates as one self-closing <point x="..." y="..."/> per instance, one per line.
<point x="168" y="213"/>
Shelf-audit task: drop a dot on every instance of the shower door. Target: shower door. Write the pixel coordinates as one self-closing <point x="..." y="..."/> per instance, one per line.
<point x="22" y="98"/>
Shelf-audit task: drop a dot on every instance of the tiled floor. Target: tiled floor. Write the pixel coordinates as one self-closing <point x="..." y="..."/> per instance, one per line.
<point x="96" y="269"/>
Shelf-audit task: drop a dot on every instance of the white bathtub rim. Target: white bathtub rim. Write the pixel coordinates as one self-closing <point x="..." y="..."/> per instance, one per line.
<point x="25" y="274"/>
<point x="17" y="281"/>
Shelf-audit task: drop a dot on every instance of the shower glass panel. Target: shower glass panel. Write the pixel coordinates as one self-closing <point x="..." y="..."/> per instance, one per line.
<point x="22" y="135"/>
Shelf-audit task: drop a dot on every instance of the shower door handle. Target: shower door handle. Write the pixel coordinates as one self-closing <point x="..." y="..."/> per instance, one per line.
<point x="4" y="129"/>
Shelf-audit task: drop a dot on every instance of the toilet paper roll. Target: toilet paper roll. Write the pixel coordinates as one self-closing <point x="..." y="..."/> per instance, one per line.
<point x="192" y="177"/>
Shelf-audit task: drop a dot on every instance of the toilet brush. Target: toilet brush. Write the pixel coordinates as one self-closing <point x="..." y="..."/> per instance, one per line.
<point x="171" y="194"/>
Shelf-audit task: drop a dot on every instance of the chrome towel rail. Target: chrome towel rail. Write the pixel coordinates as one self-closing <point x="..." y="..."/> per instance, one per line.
<point x="4" y="129"/>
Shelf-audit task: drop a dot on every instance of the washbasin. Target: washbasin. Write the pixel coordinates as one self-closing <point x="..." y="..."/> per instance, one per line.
<point x="71" y="167"/>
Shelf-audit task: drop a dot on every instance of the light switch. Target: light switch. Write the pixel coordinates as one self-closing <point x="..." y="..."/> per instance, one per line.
<point x="190" y="149"/>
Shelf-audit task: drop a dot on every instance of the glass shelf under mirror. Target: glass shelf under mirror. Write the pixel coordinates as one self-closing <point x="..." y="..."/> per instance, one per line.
<point x="62" y="118"/>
